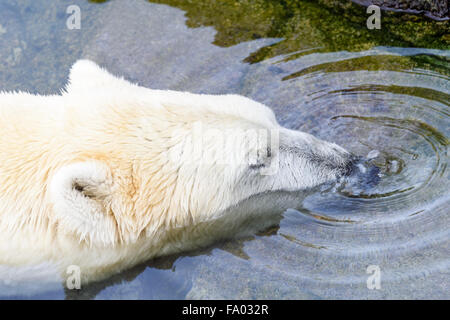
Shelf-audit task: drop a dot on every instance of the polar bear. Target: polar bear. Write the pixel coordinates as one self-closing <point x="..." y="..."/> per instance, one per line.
<point x="108" y="174"/>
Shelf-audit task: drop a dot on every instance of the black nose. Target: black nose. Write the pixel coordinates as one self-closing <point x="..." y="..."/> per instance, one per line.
<point x="362" y="171"/>
<point x="352" y="165"/>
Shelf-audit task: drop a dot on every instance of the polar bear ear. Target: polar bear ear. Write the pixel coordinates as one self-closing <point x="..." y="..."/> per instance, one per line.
<point x="87" y="75"/>
<point x="80" y="194"/>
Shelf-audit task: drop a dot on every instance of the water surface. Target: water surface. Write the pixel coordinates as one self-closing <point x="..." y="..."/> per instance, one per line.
<point x="321" y="71"/>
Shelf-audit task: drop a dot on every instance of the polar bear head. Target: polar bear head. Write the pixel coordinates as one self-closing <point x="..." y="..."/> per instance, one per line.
<point x="144" y="162"/>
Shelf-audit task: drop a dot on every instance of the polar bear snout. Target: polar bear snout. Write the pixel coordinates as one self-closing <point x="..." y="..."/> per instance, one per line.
<point x="306" y="161"/>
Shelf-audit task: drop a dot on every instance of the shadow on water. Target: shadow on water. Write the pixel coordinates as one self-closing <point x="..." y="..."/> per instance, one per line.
<point x="165" y="277"/>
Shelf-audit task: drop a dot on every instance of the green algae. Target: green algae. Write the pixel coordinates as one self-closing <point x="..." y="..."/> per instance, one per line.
<point x="306" y="26"/>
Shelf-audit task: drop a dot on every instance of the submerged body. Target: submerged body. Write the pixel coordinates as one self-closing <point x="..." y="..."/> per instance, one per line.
<point x="109" y="174"/>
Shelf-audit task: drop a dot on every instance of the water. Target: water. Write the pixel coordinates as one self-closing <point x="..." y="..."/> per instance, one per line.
<point x="380" y="93"/>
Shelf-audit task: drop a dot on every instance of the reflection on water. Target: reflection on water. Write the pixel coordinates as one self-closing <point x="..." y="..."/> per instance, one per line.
<point x="387" y="91"/>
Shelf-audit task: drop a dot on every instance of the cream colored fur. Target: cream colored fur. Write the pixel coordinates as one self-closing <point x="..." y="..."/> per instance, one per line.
<point x="87" y="177"/>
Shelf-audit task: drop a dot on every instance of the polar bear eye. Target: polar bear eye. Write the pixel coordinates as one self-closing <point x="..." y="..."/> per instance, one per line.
<point x="262" y="159"/>
<point x="257" y="166"/>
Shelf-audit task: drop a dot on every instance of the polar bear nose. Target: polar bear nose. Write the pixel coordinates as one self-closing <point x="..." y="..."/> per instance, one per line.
<point x="362" y="171"/>
<point x="351" y="165"/>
